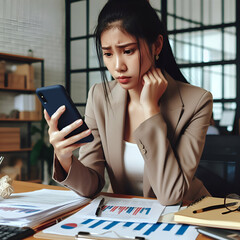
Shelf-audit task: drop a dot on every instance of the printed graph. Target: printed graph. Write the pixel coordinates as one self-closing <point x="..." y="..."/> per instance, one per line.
<point x="92" y="223"/>
<point x="133" y="229"/>
<point x="26" y="210"/>
<point x="119" y="209"/>
<point x="125" y="209"/>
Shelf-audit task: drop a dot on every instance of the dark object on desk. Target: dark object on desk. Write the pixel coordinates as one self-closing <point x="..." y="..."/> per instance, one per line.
<point x="214" y="207"/>
<point x="15" y="233"/>
<point x="219" y="167"/>
<point x="100" y="205"/>
<point x="218" y="233"/>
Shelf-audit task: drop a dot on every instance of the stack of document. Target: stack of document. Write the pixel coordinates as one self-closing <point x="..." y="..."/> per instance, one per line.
<point x="33" y="208"/>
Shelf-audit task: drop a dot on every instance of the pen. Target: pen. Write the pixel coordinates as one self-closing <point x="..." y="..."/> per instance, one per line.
<point x="214" y="207"/>
<point x="98" y="210"/>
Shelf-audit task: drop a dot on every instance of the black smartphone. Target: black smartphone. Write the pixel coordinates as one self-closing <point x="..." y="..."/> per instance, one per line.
<point x="52" y="97"/>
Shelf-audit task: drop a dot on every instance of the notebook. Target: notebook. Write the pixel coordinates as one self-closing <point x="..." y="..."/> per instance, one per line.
<point x="212" y="218"/>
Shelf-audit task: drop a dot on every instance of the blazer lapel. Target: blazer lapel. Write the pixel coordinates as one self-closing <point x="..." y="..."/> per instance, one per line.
<point x="115" y="130"/>
<point x="172" y="107"/>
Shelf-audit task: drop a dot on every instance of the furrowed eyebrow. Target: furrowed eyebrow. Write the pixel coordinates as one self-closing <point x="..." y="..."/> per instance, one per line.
<point x="119" y="46"/>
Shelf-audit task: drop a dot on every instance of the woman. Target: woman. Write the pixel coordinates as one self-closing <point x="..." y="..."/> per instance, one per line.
<point x="149" y="124"/>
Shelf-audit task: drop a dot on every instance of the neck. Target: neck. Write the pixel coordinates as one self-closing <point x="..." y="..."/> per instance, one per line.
<point x="134" y="95"/>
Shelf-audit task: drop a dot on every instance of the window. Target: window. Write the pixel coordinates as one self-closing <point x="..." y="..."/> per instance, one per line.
<point x="204" y="36"/>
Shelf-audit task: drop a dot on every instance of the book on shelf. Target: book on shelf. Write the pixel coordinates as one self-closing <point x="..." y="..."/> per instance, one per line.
<point x="211" y="218"/>
<point x="9" y="138"/>
<point x="28" y="71"/>
<point x="29" y="106"/>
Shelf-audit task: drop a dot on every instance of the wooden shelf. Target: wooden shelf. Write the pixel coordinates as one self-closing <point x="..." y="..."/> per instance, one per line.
<point x="19" y="120"/>
<point x="20" y="58"/>
<point x="17" y="90"/>
<point x="25" y="120"/>
<point x="16" y="150"/>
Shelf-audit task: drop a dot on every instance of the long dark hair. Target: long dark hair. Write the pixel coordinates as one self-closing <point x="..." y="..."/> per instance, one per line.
<point x="140" y="20"/>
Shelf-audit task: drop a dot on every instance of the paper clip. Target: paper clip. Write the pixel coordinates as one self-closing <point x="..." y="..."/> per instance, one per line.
<point x="89" y="235"/>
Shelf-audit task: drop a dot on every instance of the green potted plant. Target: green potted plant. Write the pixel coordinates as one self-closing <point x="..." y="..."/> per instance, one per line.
<point x="42" y="149"/>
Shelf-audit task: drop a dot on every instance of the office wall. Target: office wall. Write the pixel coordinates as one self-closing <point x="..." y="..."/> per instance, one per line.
<point x="38" y="25"/>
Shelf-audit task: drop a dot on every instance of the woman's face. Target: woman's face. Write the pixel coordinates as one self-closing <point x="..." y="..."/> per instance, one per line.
<point x="122" y="57"/>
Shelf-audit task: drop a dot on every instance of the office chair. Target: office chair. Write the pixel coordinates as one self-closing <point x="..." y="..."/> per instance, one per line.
<point x="219" y="167"/>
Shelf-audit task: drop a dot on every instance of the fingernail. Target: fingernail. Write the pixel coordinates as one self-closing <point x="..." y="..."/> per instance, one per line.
<point x="89" y="131"/>
<point x="79" y="121"/>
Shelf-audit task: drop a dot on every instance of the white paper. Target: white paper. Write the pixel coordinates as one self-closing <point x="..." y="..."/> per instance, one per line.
<point x="125" y="209"/>
<point x="120" y="229"/>
<point x="32" y="208"/>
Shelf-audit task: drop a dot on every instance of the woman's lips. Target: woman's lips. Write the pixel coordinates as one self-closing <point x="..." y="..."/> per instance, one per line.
<point x="123" y="79"/>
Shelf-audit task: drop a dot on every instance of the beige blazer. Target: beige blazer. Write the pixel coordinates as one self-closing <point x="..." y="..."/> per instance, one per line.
<point x="171" y="144"/>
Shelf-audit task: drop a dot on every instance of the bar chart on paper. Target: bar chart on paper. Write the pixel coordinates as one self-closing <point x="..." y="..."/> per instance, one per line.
<point x="116" y="229"/>
<point x="18" y="210"/>
<point x="126" y="210"/>
<point x="136" y="210"/>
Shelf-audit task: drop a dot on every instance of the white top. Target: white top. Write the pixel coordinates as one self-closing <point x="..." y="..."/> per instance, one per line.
<point x="134" y="168"/>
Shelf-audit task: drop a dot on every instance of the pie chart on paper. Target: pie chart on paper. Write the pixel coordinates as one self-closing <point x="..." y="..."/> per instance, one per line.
<point x="69" y="226"/>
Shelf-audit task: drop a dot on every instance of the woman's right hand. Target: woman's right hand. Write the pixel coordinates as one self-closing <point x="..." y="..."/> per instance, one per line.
<point x="64" y="147"/>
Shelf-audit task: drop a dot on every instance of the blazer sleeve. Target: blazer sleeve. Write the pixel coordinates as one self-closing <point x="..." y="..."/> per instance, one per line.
<point x="86" y="174"/>
<point x="170" y="167"/>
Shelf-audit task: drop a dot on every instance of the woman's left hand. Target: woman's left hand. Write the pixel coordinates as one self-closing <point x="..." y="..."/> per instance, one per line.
<point x="154" y="85"/>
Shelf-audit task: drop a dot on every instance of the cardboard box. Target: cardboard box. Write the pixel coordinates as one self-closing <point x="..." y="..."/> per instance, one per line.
<point x="28" y="71"/>
<point x="24" y="115"/>
<point x="9" y="138"/>
<point x="29" y="106"/>
<point x="2" y="67"/>
<point x="15" y="81"/>
<point x="37" y="114"/>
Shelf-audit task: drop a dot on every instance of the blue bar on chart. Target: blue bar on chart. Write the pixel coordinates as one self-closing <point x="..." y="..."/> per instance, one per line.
<point x="169" y="227"/>
<point x="111" y="225"/>
<point x="87" y="221"/>
<point x="147" y="210"/>
<point x="128" y="224"/>
<point x="140" y="226"/>
<point x="182" y="229"/>
<point x="97" y="223"/>
<point x="153" y="228"/>
<point x="130" y="209"/>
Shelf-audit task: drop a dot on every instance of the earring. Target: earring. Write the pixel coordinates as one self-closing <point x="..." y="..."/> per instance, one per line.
<point x="157" y="57"/>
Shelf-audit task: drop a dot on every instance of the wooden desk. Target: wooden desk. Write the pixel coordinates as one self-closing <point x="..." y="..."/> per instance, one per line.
<point x="20" y="186"/>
